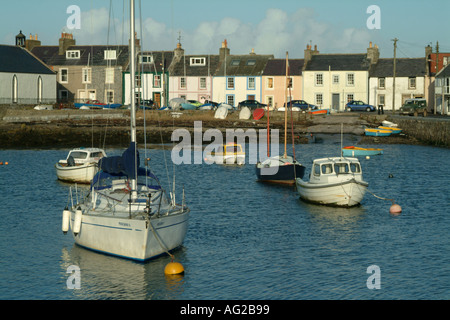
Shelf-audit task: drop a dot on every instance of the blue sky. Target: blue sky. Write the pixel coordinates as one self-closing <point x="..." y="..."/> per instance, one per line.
<point x="268" y="27"/>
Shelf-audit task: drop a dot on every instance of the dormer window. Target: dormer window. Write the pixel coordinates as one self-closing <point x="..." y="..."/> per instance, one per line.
<point x="251" y="62"/>
<point x="110" y="55"/>
<point x="146" y="59"/>
<point x="73" y="54"/>
<point x="198" y="61"/>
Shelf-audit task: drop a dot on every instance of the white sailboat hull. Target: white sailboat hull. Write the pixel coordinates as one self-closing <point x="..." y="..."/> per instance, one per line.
<point x="131" y="238"/>
<point x="344" y="194"/>
<point x="79" y="174"/>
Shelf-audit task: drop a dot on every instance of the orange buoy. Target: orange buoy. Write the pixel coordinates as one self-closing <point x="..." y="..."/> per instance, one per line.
<point x="6" y="163"/>
<point x="173" y="268"/>
<point x="395" y="209"/>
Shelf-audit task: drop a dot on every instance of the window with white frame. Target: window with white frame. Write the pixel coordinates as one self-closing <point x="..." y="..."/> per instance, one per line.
<point x="350" y="79"/>
<point x="270" y="83"/>
<point x="63" y="75"/>
<point x="412" y="82"/>
<point x="157" y="81"/>
<point x="110" y="55"/>
<point x="230" y="83"/>
<point x="251" y="83"/>
<point x="269" y="101"/>
<point x="350" y="97"/>
<point x="319" y="79"/>
<point x="73" y="54"/>
<point x="182" y="83"/>
<point x="109" y="75"/>
<point x="335" y="79"/>
<point x="198" y="61"/>
<point x="230" y="100"/>
<point x="86" y="75"/>
<point x="146" y="59"/>
<point x="318" y="98"/>
<point x="289" y="83"/>
<point x="381" y="99"/>
<point x="202" y="83"/>
<point x="381" y="83"/>
<point x="109" y="96"/>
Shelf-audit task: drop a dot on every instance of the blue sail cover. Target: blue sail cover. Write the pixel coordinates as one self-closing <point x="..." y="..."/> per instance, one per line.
<point x="122" y="165"/>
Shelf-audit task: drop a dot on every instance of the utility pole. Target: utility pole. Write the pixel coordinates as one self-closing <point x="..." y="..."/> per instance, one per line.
<point x="437" y="70"/>
<point x="393" y="80"/>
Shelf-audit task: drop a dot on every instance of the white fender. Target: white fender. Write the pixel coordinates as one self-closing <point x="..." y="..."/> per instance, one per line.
<point x="65" y="220"/>
<point x="77" y="222"/>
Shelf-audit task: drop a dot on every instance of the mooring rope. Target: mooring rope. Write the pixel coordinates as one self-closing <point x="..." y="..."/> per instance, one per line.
<point x="392" y="200"/>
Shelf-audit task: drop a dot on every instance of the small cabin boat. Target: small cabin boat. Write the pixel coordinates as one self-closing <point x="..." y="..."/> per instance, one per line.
<point x="80" y="166"/>
<point x="230" y="153"/>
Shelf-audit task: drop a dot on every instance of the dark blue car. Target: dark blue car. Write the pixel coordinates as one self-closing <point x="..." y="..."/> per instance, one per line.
<point x="356" y="105"/>
<point x="302" y="104"/>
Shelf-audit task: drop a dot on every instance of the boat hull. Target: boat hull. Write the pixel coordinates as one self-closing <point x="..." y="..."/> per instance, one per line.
<point x="77" y="174"/>
<point x="284" y="174"/>
<point x="378" y="132"/>
<point x="354" y="152"/>
<point x="343" y="194"/>
<point x="128" y="238"/>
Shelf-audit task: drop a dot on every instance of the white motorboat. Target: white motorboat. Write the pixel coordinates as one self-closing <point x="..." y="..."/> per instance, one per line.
<point x="230" y="153"/>
<point x="126" y="212"/>
<point x="80" y="166"/>
<point x="335" y="181"/>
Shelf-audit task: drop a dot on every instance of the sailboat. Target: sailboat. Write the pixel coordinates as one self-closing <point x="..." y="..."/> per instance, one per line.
<point x="280" y="169"/>
<point x="127" y="213"/>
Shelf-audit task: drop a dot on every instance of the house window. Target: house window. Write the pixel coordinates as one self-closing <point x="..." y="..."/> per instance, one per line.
<point x="289" y="83"/>
<point x="336" y="79"/>
<point x="269" y="101"/>
<point x="146" y="59"/>
<point x="138" y="80"/>
<point x="63" y="75"/>
<point x="445" y="61"/>
<point x="319" y="79"/>
<point x="73" y="54"/>
<point x="202" y="84"/>
<point x="15" y="89"/>
<point x="269" y="83"/>
<point x="235" y="62"/>
<point x="110" y="55"/>
<point x="412" y="82"/>
<point x="86" y="74"/>
<point x="63" y="95"/>
<point x="198" y="61"/>
<point x="109" y="78"/>
<point x="157" y="81"/>
<point x="381" y="83"/>
<point x="349" y="97"/>
<point x="251" y="83"/>
<point x="230" y="99"/>
<point x="251" y="62"/>
<point x="350" y="79"/>
<point x="183" y="83"/>
<point x="109" y="96"/>
<point x="319" y="99"/>
<point x="230" y="83"/>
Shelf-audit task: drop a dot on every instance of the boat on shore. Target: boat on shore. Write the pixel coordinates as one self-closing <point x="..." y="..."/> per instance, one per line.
<point x="97" y="104"/>
<point x="334" y="181"/>
<point x="392" y="129"/>
<point x="377" y="132"/>
<point x="80" y="166"/>
<point x="352" y="151"/>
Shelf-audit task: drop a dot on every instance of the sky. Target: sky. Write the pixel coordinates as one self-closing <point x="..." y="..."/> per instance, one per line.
<point x="267" y="27"/>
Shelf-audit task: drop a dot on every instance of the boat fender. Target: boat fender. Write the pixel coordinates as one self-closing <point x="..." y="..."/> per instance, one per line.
<point x="77" y="222"/>
<point x="65" y="220"/>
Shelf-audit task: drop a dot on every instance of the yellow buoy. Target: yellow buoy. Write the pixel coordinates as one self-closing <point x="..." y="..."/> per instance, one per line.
<point x="174" y="268"/>
<point x="395" y="209"/>
<point x="6" y="163"/>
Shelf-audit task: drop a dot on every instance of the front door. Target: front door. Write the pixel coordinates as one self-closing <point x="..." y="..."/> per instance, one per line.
<point x="157" y="99"/>
<point x="335" y="101"/>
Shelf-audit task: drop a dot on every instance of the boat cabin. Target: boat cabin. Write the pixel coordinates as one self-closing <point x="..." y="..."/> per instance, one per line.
<point x="232" y="148"/>
<point x="82" y="156"/>
<point x="337" y="168"/>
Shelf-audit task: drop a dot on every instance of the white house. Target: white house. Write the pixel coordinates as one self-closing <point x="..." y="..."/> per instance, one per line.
<point x="410" y="77"/>
<point x="442" y="91"/>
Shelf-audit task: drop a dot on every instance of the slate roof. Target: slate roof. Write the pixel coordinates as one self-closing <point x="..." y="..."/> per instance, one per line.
<point x="338" y="62"/>
<point x="94" y="55"/>
<point x="444" y="72"/>
<point x="157" y="64"/>
<point x="178" y="68"/>
<point x="277" y="67"/>
<point x="243" y="65"/>
<point x="405" y="67"/>
<point x="19" y="60"/>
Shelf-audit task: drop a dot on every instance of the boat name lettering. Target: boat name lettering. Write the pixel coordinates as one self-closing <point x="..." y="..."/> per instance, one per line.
<point x="124" y="224"/>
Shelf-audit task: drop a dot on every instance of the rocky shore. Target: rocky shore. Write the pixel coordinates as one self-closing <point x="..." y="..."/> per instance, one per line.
<point x="28" y="128"/>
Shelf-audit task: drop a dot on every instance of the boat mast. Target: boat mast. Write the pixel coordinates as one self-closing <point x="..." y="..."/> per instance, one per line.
<point x="133" y="102"/>
<point x="285" y="108"/>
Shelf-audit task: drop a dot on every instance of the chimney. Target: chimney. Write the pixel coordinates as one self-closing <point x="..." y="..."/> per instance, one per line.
<point x="309" y="54"/>
<point x="373" y="54"/>
<point x="253" y="52"/>
<point x="178" y="52"/>
<point x="32" y="42"/>
<point x="224" y="51"/>
<point x="65" y="42"/>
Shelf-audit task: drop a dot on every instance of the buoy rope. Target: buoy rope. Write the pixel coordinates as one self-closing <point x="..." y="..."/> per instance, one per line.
<point x="392" y="200"/>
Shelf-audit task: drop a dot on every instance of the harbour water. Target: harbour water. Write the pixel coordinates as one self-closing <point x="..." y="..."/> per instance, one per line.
<point x="246" y="240"/>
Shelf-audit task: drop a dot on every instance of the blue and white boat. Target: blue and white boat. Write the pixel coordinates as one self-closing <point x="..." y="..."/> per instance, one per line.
<point x="352" y="151"/>
<point x="377" y="132"/>
<point x="97" y="104"/>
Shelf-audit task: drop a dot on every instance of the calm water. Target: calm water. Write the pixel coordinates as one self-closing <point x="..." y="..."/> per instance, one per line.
<point x="246" y="240"/>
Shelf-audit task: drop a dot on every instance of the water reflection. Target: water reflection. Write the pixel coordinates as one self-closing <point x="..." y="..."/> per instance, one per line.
<point x="109" y="278"/>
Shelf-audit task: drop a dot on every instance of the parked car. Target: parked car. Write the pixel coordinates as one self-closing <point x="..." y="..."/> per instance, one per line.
<point x="302" y="104"/>
<point x="414" y="107"/>
<point x="356" y="105"/>
<point x="251" y="104"/>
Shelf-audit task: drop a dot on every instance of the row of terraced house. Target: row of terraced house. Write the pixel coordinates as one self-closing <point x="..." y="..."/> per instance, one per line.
<point x="66" y="73"/>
